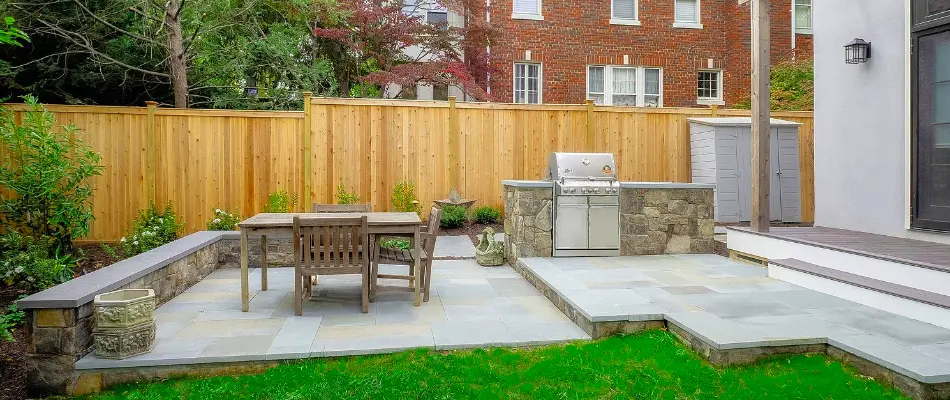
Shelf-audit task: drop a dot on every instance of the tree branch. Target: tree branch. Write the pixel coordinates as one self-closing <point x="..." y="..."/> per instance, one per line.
<point x="84" y="42"/>
<point x="116" y="28"/>
<point x="146" y="16"/>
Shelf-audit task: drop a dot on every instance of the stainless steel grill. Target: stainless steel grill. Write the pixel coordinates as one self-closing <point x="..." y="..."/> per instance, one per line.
<point x="587" y="204"/>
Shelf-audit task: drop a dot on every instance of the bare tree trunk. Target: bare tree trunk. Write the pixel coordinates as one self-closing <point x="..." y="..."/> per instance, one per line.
<point x="176" y="52"/>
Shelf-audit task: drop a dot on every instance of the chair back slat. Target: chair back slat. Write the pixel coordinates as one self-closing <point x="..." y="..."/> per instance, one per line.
<point x="432" y="229"/>
<point x="328" y="243"/>
<point x="435" y="221"/>
<point x="341" y="208"/>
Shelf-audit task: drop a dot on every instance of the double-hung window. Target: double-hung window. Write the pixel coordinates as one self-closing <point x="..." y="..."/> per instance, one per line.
<point x="802" y="16"/>
<point x="709" y="87"/>
<point x="624" y="12"/>
<point x="686" y="14"/>
<point x="526" y="9"/>
<point x="623" y="85"/>
<point x="436" y="17"/>
<point x="527" y="83"/>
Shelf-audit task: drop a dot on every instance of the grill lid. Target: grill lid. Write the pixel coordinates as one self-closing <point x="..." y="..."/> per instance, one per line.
<point x="584" y="167"/>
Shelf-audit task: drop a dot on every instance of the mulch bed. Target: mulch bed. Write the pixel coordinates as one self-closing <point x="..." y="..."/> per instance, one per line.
<point x="472" y="230"/>
<point x="12" y="368"/>
<point x="95" y="257"/>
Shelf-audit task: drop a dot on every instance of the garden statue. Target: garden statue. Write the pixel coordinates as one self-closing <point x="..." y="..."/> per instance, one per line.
<point x="489" y="251"/>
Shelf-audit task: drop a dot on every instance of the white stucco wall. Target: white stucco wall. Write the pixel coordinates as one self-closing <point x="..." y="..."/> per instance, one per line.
<point x="861" y="126"/>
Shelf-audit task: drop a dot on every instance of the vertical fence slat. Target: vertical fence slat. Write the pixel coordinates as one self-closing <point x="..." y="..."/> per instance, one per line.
<point x="207" y="159"/>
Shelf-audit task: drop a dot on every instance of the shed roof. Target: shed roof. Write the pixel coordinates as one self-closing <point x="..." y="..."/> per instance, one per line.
<point x="738" y="121"/>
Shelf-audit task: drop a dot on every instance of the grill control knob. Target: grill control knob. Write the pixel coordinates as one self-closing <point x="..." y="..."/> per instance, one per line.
<point x="584" y="190"/>
<point x="574" y="190"/>
<point x="596" y="190"/>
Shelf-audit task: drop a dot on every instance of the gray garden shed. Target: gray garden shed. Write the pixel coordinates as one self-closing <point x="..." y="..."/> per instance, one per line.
<point x="721" y="152"/>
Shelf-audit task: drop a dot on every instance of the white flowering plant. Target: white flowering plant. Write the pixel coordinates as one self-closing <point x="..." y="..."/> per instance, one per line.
<point x="151" y="228"/>
<point x="223" y="220"/>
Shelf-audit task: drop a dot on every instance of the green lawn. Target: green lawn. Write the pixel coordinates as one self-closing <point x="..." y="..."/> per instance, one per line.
<point x="650" y="365"/>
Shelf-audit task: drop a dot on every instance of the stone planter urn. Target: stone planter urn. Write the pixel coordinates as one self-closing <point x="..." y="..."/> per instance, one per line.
<point x="489" y="252"/>
<point x="125" y="323"/>
<point x="455" y="199"/>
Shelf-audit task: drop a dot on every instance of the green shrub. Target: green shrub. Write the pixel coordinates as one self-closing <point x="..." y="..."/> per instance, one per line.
<point x="150" y="230"/>
<point x="486" y="215"/>
<point x="452" y="217"/>
<point x="404" y="197"/>
<point x="793" y="88"/>
<point x="280" y="202"/>
<point x="12" y="318"/>
<point x="395" y="243"/>
<point x="223" y="220"/>
<point x="45" y="173"/>
<point x="345" y="197"/>
<point x="24" y="262"/>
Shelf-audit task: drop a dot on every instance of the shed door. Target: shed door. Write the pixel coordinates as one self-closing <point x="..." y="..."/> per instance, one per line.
<point x="745" y="171"/>
<point x="775" y="184"/>
<point x="789" y="178"/>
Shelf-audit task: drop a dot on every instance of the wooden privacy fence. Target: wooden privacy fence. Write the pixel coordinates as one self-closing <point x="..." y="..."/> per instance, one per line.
<point x="201" y="160"/>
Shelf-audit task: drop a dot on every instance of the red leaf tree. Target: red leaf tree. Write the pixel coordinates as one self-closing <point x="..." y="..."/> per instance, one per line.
<point x="392" y="38"/>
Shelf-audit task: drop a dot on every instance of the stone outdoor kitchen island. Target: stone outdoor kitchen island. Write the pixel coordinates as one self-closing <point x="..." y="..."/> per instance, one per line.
<point x="655" y="218"/>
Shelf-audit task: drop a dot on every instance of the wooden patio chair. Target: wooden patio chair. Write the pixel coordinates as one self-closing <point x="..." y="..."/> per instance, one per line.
<point x="343" y="251"/>
<point x="383" y="255"/>
<point x="342" y="208"/>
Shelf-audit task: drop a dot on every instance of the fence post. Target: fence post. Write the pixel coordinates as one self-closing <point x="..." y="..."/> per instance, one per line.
<point x="150" y="169"/>
<point x="307" y="153"/>
<point x="590" y="126"/>
<point x="453" y="144"/>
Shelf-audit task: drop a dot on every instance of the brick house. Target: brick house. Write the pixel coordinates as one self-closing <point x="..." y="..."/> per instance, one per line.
<point x="672" y="53"/>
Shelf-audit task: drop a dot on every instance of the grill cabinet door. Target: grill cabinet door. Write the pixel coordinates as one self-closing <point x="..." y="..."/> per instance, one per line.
<point x="604" y="228"/>
<point x="571" y="223"/>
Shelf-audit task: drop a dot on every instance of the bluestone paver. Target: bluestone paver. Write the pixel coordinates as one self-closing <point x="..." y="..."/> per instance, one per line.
<point x="903" y="359"/>
<point x="718" y="332"/>
<point x="454" y="246"/>
<point x="455" y="335"/>
<point x="534" y="334"/>
<point x="511" y="287"/>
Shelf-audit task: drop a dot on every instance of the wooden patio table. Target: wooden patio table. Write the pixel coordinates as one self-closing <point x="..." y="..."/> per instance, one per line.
<point x="282" y="225"/>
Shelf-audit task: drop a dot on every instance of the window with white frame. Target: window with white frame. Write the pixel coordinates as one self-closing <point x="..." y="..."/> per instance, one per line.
<point x="621" y="85"/>
<point x="527" y="83"/>
<point x="686" y="14"/>
<point x="526" y="9"/>
<point x="623" y="12"/>
<point x="437" y="17"/>
<point x="709" y="87"/>
<point x="802" y="16"/>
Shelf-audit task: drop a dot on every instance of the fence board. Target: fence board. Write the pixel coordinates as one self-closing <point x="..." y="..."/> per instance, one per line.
<point x="207" y="159"/>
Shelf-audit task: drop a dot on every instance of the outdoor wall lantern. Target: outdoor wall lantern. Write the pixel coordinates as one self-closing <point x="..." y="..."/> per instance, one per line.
<point x="857" y="52"/>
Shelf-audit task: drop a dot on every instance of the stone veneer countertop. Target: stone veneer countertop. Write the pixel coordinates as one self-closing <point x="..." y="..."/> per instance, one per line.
<point x="623" y="185"/>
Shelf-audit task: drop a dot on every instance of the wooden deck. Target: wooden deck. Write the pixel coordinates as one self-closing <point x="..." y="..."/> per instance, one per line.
<point x="906" y="251"/>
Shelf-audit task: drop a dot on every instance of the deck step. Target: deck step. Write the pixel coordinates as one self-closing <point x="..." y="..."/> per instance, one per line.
<point x="924" y="266"/>
<point x="893" y="289"/>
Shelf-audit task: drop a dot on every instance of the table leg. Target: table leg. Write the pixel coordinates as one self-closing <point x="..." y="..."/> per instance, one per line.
<point x="244" y="279"/>
<point x="417" y="267"/>
<point x="263" y="262"/>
